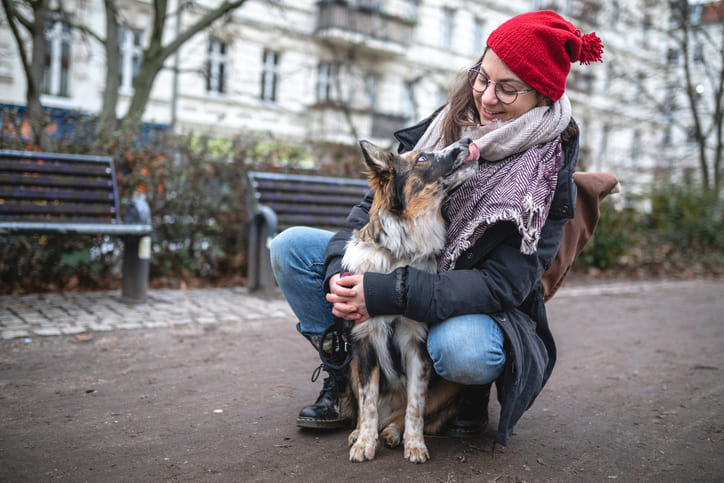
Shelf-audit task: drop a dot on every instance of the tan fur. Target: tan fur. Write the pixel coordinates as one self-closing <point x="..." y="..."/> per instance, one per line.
<point x="404" y="229"/>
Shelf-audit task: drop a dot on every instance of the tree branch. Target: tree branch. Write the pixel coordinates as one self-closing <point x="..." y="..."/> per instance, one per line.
<point x="13" y="16"/>
<point x="200" y="24"/>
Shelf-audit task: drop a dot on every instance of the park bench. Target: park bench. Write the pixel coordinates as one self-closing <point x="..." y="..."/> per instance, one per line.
<point x="277" y="201"/>
<point x="49" y="193"/>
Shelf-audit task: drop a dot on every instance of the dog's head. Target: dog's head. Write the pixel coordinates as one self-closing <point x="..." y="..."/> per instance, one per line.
<point x="405" y="184"/>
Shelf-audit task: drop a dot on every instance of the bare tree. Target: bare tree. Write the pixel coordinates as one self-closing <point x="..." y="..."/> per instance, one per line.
<point x="107" y="121"/>
<point x="698" y="30"/>
<point x="31" y="17"/>
<point x="156" y="53"/>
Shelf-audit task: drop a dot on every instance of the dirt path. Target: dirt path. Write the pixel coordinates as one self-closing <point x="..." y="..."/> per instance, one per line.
<point x="637" y="395"/>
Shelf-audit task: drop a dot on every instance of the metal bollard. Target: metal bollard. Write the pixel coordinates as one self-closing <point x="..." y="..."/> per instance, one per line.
<point x="136" y="252"/>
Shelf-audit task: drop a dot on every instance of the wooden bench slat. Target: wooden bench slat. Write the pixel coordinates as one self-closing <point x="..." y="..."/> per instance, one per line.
<point x="263" y="186"/>
<point x="17" y="209"/>
<point x="23" y="179"/>
<point x="36" y="193"/>
<point x="282" y="208"/>
<point x="330" y="222"/>
<point x="313" y="199"/>
<point x="53" y="167"/>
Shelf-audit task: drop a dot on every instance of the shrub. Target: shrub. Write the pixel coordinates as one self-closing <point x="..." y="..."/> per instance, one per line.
<point x="195" y="186"/>
<point x="682" y="233"/>
<point x="613" y="237"/>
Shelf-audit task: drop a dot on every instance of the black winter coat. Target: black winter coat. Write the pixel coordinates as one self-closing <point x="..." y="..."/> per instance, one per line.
<point x="492" y="277"/>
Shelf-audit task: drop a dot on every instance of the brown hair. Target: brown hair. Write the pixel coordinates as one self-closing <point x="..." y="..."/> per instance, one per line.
<point x="462" y="109"/>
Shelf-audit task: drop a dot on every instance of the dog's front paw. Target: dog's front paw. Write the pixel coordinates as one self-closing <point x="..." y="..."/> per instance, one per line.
<point x="391" y="436"/>
<point x="352" y="437"/>
<point x="416" y="452"/>
<point x="362" y="450"/>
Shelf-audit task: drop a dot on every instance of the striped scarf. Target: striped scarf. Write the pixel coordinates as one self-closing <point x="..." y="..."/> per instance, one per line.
<point x="516" y="180"/>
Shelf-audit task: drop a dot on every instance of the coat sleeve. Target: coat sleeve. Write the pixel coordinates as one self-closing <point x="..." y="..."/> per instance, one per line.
<point x="501" y="282"/>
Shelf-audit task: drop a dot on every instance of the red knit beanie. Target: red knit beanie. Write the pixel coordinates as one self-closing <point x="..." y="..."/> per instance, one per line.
<point x="540" y="46"/>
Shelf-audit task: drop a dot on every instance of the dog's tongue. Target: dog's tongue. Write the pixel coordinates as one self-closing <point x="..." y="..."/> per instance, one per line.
<point x="474" y="152"/>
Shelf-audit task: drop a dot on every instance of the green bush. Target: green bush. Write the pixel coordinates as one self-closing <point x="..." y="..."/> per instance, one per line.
<point x="682" y="232"/>
<point x="690" y="219"/>
<point x="613" y="238"/>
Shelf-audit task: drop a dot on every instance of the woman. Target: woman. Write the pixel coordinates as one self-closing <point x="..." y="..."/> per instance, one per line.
<point x="485" y="305"/>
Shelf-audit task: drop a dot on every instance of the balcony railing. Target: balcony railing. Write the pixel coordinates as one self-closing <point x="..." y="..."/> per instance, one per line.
<point x="369" y="27"/>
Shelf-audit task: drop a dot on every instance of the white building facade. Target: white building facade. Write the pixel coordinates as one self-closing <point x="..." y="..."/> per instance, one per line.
<point x="335" y="71"/>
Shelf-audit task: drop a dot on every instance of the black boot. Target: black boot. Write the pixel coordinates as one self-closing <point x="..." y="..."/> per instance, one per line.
<point x="472" y="416"/>
<point x="324" y="413"/>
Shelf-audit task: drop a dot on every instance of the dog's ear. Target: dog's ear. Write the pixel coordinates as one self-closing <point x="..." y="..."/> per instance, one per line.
<point x="378" y="160"/>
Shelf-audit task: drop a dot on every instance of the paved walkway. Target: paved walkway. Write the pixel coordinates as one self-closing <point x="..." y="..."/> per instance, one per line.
<point x="28" y="316"/>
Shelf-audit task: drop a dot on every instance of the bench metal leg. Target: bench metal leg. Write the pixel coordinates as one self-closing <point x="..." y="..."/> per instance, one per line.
<point x="262" y="227"/>
<point x="136" y="261"/>
<point x="267" y="281"/>
<point x="253" y="254"/>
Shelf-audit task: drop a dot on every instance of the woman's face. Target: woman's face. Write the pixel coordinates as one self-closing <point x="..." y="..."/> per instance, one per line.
<point x="489" y="107"/>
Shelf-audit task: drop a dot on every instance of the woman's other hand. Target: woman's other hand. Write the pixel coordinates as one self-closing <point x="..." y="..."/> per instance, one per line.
<point x="347" y="296"/>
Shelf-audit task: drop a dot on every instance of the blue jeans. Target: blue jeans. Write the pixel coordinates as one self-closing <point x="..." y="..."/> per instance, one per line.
<point x="466" y="349"/>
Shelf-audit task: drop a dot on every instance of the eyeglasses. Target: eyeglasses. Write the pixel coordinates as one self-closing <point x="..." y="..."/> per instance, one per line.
<point x="506" y="93"/>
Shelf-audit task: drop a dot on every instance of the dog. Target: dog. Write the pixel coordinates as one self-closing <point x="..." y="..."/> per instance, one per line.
<point x="392" y="384"/>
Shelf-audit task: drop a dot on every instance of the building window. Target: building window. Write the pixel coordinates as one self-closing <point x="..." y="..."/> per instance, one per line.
<point x="407" y="104"/>
<point x="410" y="9"/>
<point x="371" y="87"/>
<point x="326" y="74"/>
<point x="667" y="134"/>
<point x="691" y="135"/>
<point x="615" y="15"/>
<point x="672" y="56"/>
<point x="640" y="88"/>
<point x="447" y="28"/>
<point x="216" y="67"/>
<point x="699" y="54"/>
<point x="478" y="31"/>
<point x="442" y="94"/>
<point x="635" y="147"/>
<point x="646" y="30"/>
<point x="603" y="148"/>
<point x="270" y="76"/>
<point x="129" y="41"/>
<point x="57" y="58"/>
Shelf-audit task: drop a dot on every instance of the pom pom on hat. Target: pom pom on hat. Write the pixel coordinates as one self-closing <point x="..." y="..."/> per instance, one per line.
<point x="540" y="46"/>
<point x="591" y="49"/>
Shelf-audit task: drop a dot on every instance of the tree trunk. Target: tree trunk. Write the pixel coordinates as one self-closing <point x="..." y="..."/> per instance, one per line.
<point x="150" y="67"/>
<point x="156" y="54"/>
<point x="33" y="66"/>
<point x="107" y="121"/>
<point x="33" y="106"/>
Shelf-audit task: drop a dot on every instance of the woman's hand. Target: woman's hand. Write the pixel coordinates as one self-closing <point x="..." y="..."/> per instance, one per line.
<point x="348" y="297"/>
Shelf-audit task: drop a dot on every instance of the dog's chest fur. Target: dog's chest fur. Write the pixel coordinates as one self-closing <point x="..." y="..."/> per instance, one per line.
<point x="413" y="242"/>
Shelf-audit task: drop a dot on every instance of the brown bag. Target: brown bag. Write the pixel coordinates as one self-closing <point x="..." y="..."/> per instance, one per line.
<point x="592" y="188"/>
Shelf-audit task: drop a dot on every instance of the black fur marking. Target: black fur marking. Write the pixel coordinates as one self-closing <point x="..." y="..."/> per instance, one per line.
<point x="394" y="350"/>
<point x="398" y="202"/>
<point x="366" y="358"/>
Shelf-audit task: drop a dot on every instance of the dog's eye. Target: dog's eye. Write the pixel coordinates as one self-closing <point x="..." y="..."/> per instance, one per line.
<point x="422" y="158"/>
